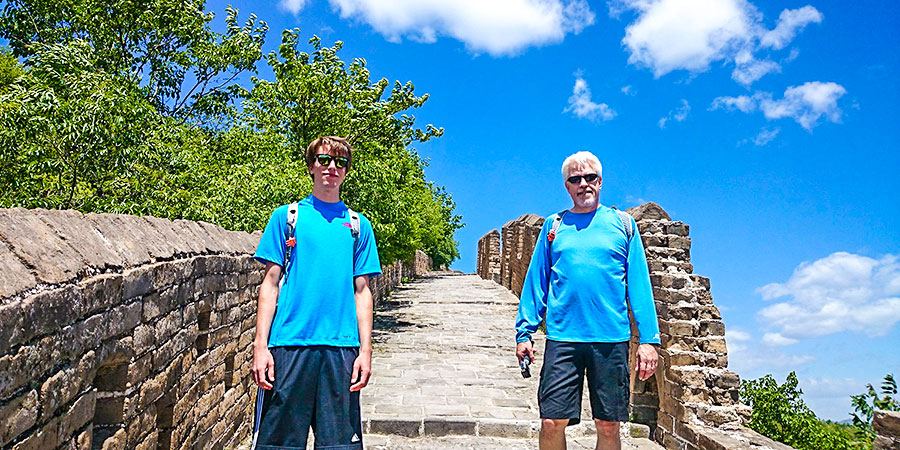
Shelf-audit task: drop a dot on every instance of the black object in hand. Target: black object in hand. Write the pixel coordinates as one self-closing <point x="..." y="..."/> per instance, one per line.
<point x="523" y="364"/>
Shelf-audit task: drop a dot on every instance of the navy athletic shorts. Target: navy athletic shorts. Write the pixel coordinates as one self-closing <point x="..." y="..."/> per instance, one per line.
<point x="562" y="378"/>
<point x="311" y="390"/>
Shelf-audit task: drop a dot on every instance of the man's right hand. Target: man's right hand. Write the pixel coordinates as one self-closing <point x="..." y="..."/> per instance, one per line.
<point x="523" y="349"/>
<point x="263" y="368"/>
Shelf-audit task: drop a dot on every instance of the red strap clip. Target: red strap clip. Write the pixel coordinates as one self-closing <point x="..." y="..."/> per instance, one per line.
<point x="291" y="242"/>
<point x="550" y="236"/>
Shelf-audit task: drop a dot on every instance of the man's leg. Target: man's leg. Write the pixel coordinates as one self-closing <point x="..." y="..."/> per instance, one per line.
<point x="337" y="423"/>
<point x="553" y="434"/>
<point x="559" y="394"/>
<point x="286" y="411"/>
<point x="607" y="435"/>
<point x="608" y="383"/>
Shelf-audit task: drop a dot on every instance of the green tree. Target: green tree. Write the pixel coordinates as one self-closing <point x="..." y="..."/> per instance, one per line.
<point x="185" y="69"/>
<point x="315" y="94"/>
<point x="865" y="404"/>
<point x="128" y="107"/>
<point x="780" y="413"/>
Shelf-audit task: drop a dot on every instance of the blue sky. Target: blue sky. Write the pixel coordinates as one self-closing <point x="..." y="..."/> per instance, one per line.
<point x="769" y="127"/>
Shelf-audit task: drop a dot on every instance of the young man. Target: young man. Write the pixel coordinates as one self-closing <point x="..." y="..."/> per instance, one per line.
<point x="576" y="282"/>
<point x="313" y="353"/>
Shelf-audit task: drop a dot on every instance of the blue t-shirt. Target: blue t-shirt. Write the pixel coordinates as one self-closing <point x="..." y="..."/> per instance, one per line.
<point x="316" y="305"/>
<point x="579" y="282"/>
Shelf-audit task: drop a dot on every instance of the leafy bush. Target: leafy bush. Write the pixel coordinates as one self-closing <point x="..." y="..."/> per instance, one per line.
<point x="780" y="413"/>
<point x="865" y="404"/>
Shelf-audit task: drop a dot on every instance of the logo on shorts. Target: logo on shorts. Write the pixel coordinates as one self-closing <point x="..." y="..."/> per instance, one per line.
<point x="354" y="439"/>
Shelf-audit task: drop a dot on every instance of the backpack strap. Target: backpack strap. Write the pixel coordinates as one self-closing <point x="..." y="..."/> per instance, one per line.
<point x="289" y="241"/>
<point x="557" y="219"/>
<point x="626" y="222"/>
<point x="354" y="230"/>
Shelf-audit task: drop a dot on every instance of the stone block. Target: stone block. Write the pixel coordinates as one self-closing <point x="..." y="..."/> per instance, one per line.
<point x="15" y="278"/>
<point x="127" y="236"/>
<point x="885" y="443"/>
<point x="713" y="345"/>
<point x="887" y="423"/>
<point x="712" y="327"/>
<point x="677" y="228"/>
<point x="49" y="311"/>
<point x="445" y="426"/>
<point x="17" y="416"/>
<point x="76" y="417"/>
<point x="63" y="386"/>
<point x="101" y="291"/>
<point x="38" y="246"/>
<point x="123" y="319"/>
<point x="181" y="244"/>
<point x="201" y="238"/>
<point x="12" y="327"/>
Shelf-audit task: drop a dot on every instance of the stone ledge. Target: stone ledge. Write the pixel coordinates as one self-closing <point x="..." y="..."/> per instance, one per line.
<point x="430" y="426"/>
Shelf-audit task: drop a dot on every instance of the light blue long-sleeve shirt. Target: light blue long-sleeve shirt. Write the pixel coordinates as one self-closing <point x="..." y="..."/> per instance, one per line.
<point x="578" y="282"/>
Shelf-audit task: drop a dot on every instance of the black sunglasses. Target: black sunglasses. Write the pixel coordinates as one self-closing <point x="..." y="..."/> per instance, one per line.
<point x="576" y="179"/>
<point x="339" y="161"/>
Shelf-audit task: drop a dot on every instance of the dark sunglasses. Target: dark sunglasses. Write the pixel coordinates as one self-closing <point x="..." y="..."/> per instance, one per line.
<point x="576" y="179"/>
<point x="339" y="161"/>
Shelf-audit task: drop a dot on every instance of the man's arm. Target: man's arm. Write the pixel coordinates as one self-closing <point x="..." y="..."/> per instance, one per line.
<point x="533" y="300"/>
<point x="263" y="366"/>
<point x="362" y="367"/>
<point x="640" y="295"/>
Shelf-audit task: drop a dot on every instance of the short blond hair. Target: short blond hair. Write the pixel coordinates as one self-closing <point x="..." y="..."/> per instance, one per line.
<point x="581" y="158"/>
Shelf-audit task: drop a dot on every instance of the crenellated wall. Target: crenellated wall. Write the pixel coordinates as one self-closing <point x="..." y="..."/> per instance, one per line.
<point x="119" y="331"/>
<point x="488" y="265"/>
<point x="692" y="400"/>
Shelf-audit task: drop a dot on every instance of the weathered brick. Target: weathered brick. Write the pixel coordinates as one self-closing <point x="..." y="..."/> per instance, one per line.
<point x="49" y="311"/>
<point x="18" y="415"/>
<point x="15" y="278"/>
<point x="39" y="247"/>
<point x="79" y="414"/>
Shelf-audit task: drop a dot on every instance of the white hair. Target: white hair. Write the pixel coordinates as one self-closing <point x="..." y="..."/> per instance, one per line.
<point x="581" y="158"/>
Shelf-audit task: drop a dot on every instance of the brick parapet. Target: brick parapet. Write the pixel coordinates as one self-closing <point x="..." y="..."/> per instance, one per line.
<point x="488" y="264"/>
<point x="692" y="400"/>
<point x="129" y="332"/>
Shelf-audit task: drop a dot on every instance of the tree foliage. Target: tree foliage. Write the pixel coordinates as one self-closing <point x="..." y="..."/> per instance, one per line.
<point x="780" y="413"/>
<point x="134" y="107"/>
<point x="865" y="404"/>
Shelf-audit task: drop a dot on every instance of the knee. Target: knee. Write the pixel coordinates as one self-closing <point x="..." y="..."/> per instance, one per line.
<point x="605" y="428"/>
<point x="554" y="426"/>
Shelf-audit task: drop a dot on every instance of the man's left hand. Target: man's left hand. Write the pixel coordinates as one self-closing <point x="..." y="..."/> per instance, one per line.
<point x="362" y="369"/>
<point x="646" y="360"/>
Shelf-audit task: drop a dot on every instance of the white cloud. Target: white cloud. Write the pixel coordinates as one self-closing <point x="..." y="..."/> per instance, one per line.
<point x="765" y="136"/>
<point x="806" y="103"/>
<point x="789" y="22"/>
<point x="745" y="358"/>
<point x="292" y="6"/>
<point x="737" y="335"/>
<point x="628" y="90"/>
<point x="777" y="340"/>
<point x="676" y="114"/>
<point x="583" y="107"/>
<point x="749" y="69"/>
<point x="690" y="35"/>
<point x="841" y="292"/>
<point x="742" y="103"/>
<point x="499" y="27"/>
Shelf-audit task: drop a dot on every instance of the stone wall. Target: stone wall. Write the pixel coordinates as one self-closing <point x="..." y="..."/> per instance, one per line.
<point x="692" y="400"/>
<point x="488" y="265"/>
<point x="394" y="274"/>
<point x="120" y="331"/>
<point x="887" y="429"/>
<point x="519" y="239"/>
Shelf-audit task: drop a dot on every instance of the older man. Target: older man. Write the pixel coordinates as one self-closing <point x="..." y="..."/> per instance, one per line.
<point x="587" y="265"/>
